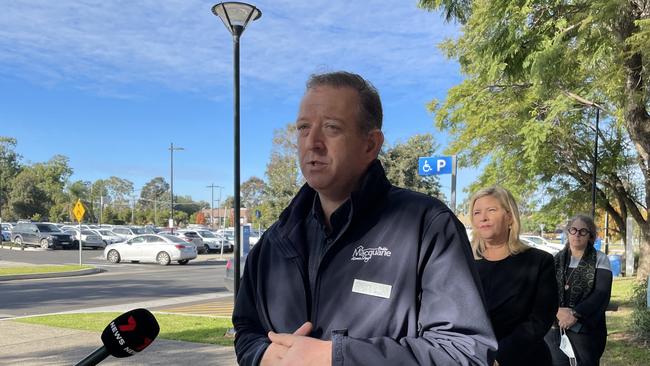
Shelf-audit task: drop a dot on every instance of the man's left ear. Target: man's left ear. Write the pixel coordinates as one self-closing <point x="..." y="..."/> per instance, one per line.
<point x="375" y="141"/>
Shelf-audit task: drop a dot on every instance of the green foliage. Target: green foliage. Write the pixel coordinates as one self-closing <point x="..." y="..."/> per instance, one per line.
<point x="640" y="324"/>
<point x="534" y="73"/>
<point x="153" y="191"/>
<point x="282" y="174"/>
<point x="401" y="160"/>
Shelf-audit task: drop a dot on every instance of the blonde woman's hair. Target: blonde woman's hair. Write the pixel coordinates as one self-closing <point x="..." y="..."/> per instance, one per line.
<point x="508" y="203"/>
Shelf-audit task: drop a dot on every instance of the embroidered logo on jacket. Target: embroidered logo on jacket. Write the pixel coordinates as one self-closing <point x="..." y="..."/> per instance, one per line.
<point x="365" y="254"/>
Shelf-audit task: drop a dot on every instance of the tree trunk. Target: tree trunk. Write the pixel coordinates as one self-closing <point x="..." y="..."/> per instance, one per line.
<point x="644" y="253"/>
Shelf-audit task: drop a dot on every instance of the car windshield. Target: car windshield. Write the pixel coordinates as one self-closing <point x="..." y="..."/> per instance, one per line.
<point x="173" y="239"/>
<point x="137" y="230"/>
<point x="207" y="234"/>
<point x="87" y="232"/>
<point x="105" y="232"/>
<point x="48" y="228"/>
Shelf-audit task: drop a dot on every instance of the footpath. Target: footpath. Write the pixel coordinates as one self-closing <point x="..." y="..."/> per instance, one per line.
<point x="39" y="345"/>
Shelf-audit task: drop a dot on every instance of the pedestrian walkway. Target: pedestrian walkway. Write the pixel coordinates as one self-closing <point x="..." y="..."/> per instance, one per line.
<point x="40" y="345"/>
<point x="214" y="307"/>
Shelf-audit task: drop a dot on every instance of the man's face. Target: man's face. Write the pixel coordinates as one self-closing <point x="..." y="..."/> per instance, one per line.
<point x="333" y="150"/>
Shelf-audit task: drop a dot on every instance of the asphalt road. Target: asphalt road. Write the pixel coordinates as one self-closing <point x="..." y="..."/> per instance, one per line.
<point x="124" y="283"/>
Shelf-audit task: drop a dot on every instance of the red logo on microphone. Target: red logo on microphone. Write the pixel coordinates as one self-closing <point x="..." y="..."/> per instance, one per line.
<point x="145" y="342"/>
<point x="129" y="327"/>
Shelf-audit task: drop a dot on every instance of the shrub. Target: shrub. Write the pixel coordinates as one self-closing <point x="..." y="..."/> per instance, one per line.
<point x="640" y="324"/>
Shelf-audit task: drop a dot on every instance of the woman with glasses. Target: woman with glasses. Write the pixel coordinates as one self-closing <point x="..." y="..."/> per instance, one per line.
<point x="518" y="280"/>
<point x="584" y="280"/>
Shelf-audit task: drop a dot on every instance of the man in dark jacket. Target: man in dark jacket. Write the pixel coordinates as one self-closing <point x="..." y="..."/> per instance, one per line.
<point x="357" y="271"/>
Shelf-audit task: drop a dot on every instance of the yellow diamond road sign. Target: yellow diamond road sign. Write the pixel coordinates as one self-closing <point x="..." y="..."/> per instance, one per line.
<point x="78" y="211"/>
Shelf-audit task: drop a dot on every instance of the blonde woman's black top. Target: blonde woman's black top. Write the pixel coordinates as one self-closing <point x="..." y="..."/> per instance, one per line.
<point x="522" y="301"/>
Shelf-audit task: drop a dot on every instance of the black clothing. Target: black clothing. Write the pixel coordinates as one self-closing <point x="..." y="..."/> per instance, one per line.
<point x="393" y="283"/>
<point x="522" y="302"/>
<point x="575" y="283"/>
<point x="589" y="335"/>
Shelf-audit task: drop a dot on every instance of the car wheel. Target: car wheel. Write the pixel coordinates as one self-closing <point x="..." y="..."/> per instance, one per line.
<point x="75" y="244"/>
<point x="19" y="241"/>
<point x="184" y="261"/>
<point x="113" y="256"/>
<point x="163" y="258"/>
<point x="206" y="248"/>
<point x="44" y="243"/>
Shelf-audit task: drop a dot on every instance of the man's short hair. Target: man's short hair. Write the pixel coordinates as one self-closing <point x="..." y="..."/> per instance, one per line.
<point x="370" y="110"/>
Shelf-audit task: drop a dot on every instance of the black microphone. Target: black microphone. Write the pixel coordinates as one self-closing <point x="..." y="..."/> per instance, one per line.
<point x="125" y="336"/>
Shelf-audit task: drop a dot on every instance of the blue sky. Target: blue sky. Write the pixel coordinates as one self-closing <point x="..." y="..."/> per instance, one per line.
<point x="110" y="84"/>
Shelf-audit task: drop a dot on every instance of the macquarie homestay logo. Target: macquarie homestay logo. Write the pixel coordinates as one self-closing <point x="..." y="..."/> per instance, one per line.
<point x="365" y="254"/>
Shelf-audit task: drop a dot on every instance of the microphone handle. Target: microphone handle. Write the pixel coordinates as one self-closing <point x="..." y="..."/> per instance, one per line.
<point x="94" y="358"/>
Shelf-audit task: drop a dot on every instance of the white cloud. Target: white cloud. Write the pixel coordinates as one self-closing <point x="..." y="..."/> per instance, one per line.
<point x="108" y="46"/>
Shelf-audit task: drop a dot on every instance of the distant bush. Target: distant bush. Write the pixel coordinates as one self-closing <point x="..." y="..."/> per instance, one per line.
<point x="640" y="324"/>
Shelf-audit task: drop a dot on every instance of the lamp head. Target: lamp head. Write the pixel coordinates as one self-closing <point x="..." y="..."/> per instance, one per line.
<point x="236" y="15"/>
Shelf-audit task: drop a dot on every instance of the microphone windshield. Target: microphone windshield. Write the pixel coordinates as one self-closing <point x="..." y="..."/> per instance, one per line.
<point x="130" y="333"/>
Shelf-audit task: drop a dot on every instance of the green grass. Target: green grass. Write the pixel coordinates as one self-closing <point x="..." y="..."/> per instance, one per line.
<point x="4" y="271"/>
<point x="621" y="349"/>
<point x="622" y="291"/>
<point x="198" y="329"/>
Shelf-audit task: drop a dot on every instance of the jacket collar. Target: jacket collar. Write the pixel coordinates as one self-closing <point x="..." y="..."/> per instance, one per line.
<point x="373" y="186"/>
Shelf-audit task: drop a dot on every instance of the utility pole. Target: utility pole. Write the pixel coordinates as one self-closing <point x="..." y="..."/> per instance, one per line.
<point x="212" y="186"/>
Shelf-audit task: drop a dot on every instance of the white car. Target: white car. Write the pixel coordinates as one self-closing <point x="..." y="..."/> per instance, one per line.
<point x="543" y="247"/>
<point x="156" y="248"/>
<point x="213" y="242"/>
<point x="128" y="232"/>
<point x="108" y="237"/>
<point x="541" y="241"/>
<point x="88" y="238"/>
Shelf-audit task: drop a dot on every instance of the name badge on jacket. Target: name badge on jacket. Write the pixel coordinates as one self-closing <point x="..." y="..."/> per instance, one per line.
<point x="371" y="288"/>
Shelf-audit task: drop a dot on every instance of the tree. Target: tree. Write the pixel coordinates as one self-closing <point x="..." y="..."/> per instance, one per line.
<point x="153" y="191"/>
<point x="38" y="189"/>
<point x="400" y="161"/>
<point x="9" y="169"/>
<point x="252" y="192"/>
<point x="536" y="71"/>
<point x="282" y="174"/>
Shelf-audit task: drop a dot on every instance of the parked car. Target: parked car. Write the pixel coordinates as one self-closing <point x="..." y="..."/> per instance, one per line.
<point x="192" y="237"/>
<point x="541" y="241"/>
<point x="88" y="238"/>
<point x="545" y="248"/>
<point x="229" y="278"/>
<point x="128" y="232"/>
<point x="108" y="236"/>
<point x="156" y="248"/>
<point x="213" y="242"/>
<point x="40" y="234"/>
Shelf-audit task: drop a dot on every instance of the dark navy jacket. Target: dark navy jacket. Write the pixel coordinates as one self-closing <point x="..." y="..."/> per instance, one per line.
<point x="397" y="287"/>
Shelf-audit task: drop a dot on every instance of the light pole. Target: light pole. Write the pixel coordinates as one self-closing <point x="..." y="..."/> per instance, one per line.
<point x="171" y="150"/>
<point x="235" y="17"/>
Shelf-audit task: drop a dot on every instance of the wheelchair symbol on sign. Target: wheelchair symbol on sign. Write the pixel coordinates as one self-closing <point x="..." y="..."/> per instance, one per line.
<point x="426" y="167"/>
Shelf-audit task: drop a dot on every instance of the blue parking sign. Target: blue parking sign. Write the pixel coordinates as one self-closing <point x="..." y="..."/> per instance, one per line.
<point x="435" y="165"/>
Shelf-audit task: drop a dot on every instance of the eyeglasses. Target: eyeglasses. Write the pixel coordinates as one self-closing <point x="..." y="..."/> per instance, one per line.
<point x="581" y="232"/>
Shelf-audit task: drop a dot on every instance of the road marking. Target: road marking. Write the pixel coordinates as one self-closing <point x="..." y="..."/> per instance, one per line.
<point x="218" y="307"/>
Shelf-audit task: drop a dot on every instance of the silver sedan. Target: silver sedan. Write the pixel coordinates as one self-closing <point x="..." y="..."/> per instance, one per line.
<point x="156" y="248"/>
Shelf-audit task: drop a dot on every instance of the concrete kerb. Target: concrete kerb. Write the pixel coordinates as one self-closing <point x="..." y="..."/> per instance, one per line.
<point x="82" y="272"/>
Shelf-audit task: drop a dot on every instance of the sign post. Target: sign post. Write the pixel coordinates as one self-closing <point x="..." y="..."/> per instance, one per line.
<point x="78" y="212"/>
<point x="439" y="165"/>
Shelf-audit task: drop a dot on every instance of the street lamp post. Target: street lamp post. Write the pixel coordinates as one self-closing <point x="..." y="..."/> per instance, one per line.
<point x="236" y="16"/>
<point x="171" y="150"/>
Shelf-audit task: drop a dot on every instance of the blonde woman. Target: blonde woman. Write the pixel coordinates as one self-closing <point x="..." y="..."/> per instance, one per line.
<point x="518" y="281"/>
